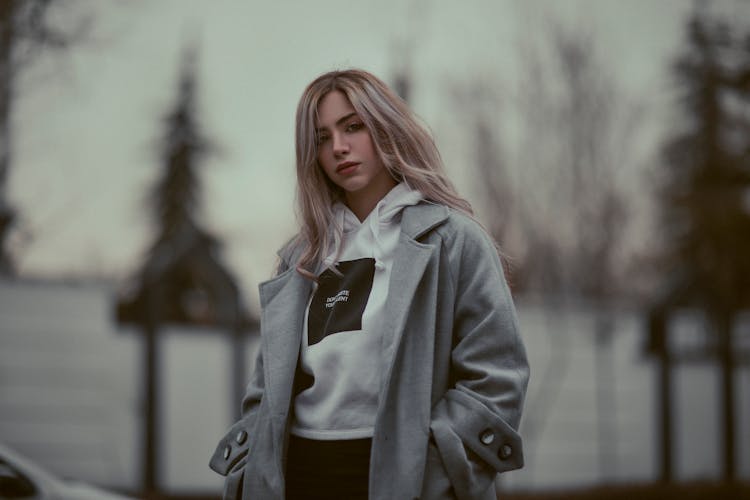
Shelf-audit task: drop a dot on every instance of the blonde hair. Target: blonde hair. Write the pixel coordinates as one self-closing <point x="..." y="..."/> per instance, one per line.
<point x="405" y="147"/>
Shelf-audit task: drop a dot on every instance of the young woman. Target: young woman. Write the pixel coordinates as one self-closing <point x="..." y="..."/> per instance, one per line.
<point x="390" y="364"/>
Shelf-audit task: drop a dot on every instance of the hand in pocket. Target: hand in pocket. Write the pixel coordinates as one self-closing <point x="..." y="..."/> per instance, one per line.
<point x="436" y="484"/>
<point x="234" y="481"/>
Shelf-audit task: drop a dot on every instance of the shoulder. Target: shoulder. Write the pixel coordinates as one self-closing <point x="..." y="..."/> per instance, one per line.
<point x="455" y="228"/>
<point x="472" y="255"/>
<point x="289" y="252"/>
<point x="462" y="232"/>
<point x="426" y="218"/>
<point x="468" y="247"/>
<point x="462" y="223"/>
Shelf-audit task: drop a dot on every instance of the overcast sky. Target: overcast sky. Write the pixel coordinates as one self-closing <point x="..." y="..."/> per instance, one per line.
<point x="87" y="121"/>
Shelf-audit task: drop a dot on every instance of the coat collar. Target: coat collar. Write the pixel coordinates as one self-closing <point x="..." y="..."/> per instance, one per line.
<point x="422" y="218"/>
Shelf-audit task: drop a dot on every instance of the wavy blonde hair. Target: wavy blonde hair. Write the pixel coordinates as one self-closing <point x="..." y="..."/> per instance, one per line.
<point x="404" y="146"/>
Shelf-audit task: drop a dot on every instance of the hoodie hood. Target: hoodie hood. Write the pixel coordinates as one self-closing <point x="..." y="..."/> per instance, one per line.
<point x="382" y="221"/>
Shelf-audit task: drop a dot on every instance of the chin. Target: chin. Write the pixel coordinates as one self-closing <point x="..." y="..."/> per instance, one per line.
<point x="353" y="185"/>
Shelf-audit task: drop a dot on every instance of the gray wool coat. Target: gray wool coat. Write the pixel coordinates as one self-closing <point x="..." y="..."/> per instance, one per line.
<point x="453" y="380"/>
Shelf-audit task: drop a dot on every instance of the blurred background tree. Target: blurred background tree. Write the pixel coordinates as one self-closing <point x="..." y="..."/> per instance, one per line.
<point x="568" y="152"/>
<point x="175" y="197"/>
<point x="576" y="140"/>
<point x="25" y="31"/>
<point x="705" y="193"/>
<point x="182" y="279"/>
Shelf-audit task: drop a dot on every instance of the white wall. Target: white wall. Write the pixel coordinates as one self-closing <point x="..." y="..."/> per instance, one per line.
<point x="71" y="387"/>
<point x="198" y="406"/>
<point x="561" y="420"/>
<point x="70" y="396"/>
<point x="561" y="426"/>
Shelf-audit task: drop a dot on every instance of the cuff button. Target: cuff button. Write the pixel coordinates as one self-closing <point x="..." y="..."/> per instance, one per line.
<point x="506" y="451"/>
<point x="241" y="437"/>
<point x="487" y="437"/>
<point x="227" y="452"/>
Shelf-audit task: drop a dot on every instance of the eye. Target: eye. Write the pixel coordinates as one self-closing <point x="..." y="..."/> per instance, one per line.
<point x="322" y="138"/>
<point x="354" y="127"/>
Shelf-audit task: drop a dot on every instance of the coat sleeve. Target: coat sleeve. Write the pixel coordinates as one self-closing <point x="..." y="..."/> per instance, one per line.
<point x="232" y="449"/>
<point x="475" y="423"/>
<point x="229" y="456"/>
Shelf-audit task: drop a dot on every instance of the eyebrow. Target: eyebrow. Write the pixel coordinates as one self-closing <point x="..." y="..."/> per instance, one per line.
<point x="339" y="121"/>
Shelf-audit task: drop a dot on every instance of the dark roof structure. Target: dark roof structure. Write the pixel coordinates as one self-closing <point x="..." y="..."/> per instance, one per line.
<point x="183" y="282"/>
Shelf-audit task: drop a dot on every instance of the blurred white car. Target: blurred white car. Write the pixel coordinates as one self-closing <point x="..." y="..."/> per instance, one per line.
<point x="21" y="478"/>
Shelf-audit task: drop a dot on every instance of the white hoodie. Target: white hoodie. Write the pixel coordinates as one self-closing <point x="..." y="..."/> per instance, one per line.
<point x="341" y="346"/>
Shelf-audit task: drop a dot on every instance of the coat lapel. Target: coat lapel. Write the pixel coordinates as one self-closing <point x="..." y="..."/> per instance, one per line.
<point x="409" y="264"/>
<point x="283" y="302"/>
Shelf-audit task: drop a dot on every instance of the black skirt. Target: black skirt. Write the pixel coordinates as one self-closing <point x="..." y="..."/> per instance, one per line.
<point x="327" y="469"/>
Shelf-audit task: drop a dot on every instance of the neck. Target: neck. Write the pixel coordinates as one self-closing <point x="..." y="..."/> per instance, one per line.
<point x="362" y="202"/>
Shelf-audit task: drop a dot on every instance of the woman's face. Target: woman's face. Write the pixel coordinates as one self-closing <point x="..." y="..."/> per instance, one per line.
<point x="346" y="151"/>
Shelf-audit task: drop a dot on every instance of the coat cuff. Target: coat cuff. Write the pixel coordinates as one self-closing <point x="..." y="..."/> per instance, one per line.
<point x="459" y="419"/>
<point x="231" y="449"/>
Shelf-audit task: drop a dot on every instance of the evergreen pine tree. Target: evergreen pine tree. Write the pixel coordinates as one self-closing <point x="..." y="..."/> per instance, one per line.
<point x="182" y="280"/>
<point x="181" y="247"/>
<point x="706" y="194"/>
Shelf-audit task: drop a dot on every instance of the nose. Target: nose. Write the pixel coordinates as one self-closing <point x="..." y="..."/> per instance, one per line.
<point x="340" y="145"/>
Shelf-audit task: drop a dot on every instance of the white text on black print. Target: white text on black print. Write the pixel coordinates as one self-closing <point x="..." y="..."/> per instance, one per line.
<point x="342" y="296"/>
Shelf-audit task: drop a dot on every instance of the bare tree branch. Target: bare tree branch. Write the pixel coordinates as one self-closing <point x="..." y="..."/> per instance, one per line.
<point x="25" y="31"/>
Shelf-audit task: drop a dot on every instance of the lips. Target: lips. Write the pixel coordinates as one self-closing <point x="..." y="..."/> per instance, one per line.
<point x="346" y="167"/>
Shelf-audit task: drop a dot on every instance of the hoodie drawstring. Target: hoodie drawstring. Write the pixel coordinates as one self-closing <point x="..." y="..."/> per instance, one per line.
<point x="386" y="209"/>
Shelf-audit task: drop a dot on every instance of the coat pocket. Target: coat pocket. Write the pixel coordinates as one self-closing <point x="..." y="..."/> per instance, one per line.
<point x="436" y="484"/>
<point x="234" y="482"/>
